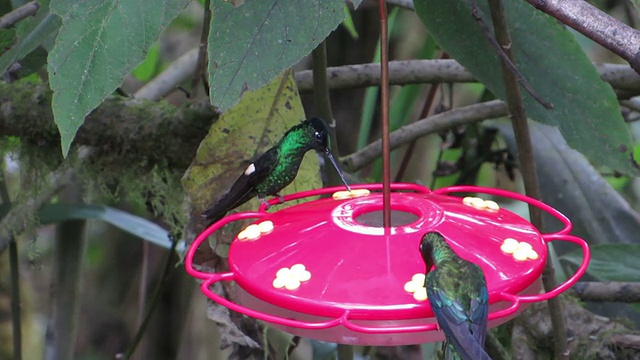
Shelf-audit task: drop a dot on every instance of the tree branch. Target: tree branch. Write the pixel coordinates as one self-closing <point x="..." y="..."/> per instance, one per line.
<point x="18" y="14"/>
<point x="156" y="130"/>
<point x="607" y="31"/>
<point x="430" y="125"/>
<point x="407" y="72"/>
<point x="400" y="73"/>
<point x="627" y="292"/>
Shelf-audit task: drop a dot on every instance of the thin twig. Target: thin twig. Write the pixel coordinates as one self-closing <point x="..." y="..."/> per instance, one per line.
<point x="143" y="286"/>
<point x="445" y="120"/>
<point x="201" y="64"/>
<point x="527" y="166"/>
<point x="477" y="15"/>
<point x="595" y="24"/>
<point x="384" y="111"/>
<point x="24" y="11"/>
<point x="155" y="300"/>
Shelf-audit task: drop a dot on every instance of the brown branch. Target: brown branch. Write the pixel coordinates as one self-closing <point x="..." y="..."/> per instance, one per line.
<point x="527" y="166"/>
<point x="630" y="341"/>
<point x="400" y="73"/>
<point x="593" y="23"/>
<point x="627" y="292"/>
<point x="456" y="117"/>
<point x="24" y="11"/>
<point x="407" y="72"/>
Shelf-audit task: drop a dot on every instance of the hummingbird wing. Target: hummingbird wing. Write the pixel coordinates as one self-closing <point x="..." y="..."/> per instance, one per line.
<point x="244" y="188"/>
<point x="460" y="302"/>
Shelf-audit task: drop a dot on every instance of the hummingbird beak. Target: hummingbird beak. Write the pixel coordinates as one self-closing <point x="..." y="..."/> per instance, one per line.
<point x="328" y="154"/>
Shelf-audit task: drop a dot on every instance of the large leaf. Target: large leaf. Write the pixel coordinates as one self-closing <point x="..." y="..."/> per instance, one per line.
<point x="242" y="134"/>
<point x="585" y="108"/>
<point x="609" y="262"/>
<point x="251" y="44"/>
<point x="570" y="184"/>
<point x="133" y="224"/>
<point x="100" y="42"/>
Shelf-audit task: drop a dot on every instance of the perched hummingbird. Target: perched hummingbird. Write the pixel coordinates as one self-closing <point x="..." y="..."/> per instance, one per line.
<point x="457" y="292"/>
<point x="276" y="168"/>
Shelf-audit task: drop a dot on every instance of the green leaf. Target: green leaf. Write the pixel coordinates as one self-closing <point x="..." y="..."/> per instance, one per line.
<point x="585" y="108"/>
<point x="572" y="186"/>
<point x="609" y="262"/>
<point x="149" y="66"/>
<point x="100" y="42"/>
<point x="348" y="23"/>
<point x="251" y="44"/>
<point x="7" y="38"/>
<point x="32" y="32"/>
<point x="241" y="135"/>
<point x="133" y="224"/>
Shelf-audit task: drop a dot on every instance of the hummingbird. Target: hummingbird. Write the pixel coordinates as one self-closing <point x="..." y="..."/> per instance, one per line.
<point x="457" y="292"/>
<point x="276" y="168"/>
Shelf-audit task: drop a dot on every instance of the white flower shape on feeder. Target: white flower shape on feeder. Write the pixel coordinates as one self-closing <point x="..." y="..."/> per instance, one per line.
<point x="416" y="286"/>
<point x="520" y="250"/>
<point x="345" y="194"/>
<point x="481" y="204"/>
<point x="254" y="231"/>
<point x="291" y="278"/>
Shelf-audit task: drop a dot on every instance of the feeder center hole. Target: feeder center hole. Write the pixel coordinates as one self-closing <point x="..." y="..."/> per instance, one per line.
<point x="375" y="218"/>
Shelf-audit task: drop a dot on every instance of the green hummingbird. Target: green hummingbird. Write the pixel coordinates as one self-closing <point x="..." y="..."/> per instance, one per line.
<point x="276" y="168"/>
<point x="457" y="292"/>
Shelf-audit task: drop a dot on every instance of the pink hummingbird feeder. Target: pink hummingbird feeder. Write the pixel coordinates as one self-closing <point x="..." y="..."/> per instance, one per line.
<point x="327" y="269"/>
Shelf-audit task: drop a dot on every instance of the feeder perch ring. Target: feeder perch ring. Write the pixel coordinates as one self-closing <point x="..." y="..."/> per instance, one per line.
<point x="324" y="269"/>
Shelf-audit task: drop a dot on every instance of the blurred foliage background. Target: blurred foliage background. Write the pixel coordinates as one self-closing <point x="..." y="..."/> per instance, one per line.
<point x="151" y="134"/>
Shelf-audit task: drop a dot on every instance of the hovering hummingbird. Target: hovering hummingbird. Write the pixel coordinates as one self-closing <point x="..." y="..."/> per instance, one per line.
<point x="276" y="168"/>
<point x="457" y="292"/>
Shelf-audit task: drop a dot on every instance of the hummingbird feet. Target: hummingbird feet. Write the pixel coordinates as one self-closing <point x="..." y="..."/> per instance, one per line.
<point x="267" y="205"/>
<point x="264" y="202"/>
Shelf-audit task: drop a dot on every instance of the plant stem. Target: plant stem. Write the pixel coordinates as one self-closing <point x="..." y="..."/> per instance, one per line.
<point x="15" y="300"/>
<point x="15" y="279"/>
<point x="201" y="65"/>
<point x="322" y="102"/>
<point x="154" y="300"/>
<point x="68" y="255"/>
<point x="527" y="166"/>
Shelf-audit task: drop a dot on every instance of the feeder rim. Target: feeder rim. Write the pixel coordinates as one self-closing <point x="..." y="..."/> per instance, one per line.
<point x="344" y="319"/>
